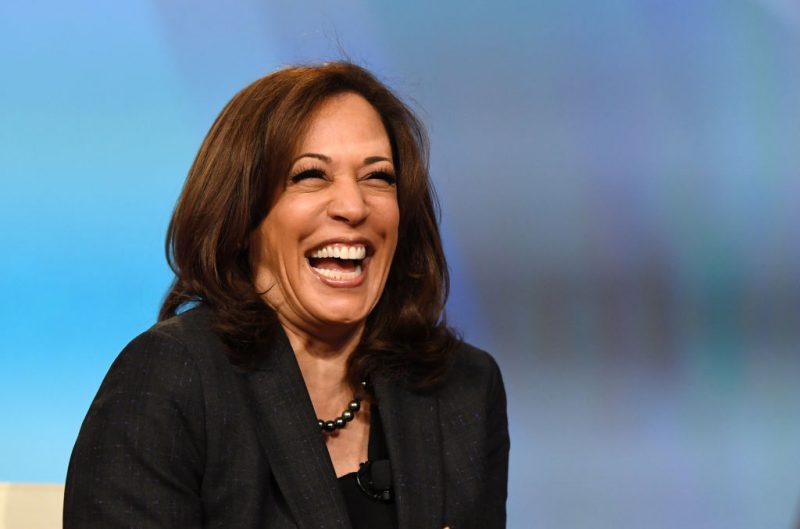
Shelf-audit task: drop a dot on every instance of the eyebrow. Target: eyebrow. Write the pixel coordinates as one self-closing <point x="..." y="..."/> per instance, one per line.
<point x="367" y="161"/>
<point x="375" y="159"/>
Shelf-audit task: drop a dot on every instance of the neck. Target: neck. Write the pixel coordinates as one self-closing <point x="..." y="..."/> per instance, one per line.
<point x="323" y="364"/>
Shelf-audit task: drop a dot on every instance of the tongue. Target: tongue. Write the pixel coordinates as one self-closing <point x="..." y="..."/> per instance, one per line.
<point x="331" y="263"/>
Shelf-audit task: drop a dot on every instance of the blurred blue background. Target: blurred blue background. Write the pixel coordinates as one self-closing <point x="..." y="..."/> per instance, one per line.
<point x="619" y="183"/>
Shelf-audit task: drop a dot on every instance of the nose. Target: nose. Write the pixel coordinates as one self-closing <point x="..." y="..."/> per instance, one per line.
<point x="347" y="202"/>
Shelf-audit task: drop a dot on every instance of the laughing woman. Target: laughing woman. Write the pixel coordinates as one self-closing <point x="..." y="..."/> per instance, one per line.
<point x="301" y="373"/>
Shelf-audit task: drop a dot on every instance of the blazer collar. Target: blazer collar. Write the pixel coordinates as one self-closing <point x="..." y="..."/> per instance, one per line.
<point x="411" y="426"/>
<point x="287" y="429"/>
<point x="299" y="460"/>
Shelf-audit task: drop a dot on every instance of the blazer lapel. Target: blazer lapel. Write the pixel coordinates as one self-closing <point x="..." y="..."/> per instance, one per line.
<point x="287" y="428"/>
<point x="411" y="426"/>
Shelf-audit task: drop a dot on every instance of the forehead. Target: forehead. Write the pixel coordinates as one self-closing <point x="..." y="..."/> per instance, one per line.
<point x="345" y="121"/>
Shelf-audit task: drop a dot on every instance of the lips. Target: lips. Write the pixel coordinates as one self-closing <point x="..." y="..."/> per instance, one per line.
<point x="340" y="264"/>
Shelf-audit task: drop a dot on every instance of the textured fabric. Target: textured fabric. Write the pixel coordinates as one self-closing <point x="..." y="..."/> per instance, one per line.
<point x="177" y="437"/>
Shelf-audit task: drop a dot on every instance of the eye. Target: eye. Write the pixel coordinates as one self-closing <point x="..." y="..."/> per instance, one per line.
<point x="307" y="174"/>
<point x="385" y="176"/>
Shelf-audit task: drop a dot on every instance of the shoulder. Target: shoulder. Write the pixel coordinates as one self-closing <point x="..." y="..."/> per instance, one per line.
<point x="145" y="431"/>
<point x="476" y="443"/>
<point x="190" y="327"/>
<point x="473" y="379"/>
<point x="177" y="338"/>
<point x="154" y="390"/>
<point x="472" y="367"/>
<point x="166" y="358"/>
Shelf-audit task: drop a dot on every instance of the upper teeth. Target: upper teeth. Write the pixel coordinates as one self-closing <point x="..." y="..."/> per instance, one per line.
<point x="341" y="252"/>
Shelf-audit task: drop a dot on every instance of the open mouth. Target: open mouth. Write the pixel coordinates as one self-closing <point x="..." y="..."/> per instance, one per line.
<point x="339" y="262"/>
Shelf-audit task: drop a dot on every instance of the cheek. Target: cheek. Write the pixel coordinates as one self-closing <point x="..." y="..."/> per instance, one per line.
<point x="390" y="216"/>
<point x="265" y="251"/>
<point x="294" y="218"/>
<point x="395" y="224"/>
<point x="261" y="266"/>
<point x="275" y="231"/>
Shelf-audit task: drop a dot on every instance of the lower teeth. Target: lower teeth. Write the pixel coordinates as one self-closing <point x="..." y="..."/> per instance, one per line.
<point x="337" y="274"/>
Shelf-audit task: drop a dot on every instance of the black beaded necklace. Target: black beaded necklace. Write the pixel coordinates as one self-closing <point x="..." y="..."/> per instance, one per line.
<point x="346" y="416"/>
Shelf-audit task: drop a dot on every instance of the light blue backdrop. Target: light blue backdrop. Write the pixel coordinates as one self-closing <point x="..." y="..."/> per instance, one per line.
<point x="620" y="190"/>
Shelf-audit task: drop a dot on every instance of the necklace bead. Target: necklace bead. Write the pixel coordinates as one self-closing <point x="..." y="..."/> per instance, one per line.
<point x="347" y="415"/>
<point x="341" y="421"/>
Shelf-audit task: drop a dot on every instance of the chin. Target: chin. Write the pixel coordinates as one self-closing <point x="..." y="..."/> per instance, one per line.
<point x="342" y="319"/>
<point x="340" y="308"/>
<point x="341" y="314"/>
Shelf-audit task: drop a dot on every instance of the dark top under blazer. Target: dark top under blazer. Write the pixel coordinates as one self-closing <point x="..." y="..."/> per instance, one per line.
<point x="177" y="437"/>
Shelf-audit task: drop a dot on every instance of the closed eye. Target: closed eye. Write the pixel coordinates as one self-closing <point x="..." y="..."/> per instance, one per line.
<point x="307" y="174"/>
<point x="386" y="176"/>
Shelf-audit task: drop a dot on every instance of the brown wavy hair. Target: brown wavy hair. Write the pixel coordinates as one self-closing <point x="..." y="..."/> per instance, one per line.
<point x="239" y="171"/>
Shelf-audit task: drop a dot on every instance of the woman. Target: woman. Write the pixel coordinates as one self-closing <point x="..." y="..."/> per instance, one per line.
<point x="301" y="373"/>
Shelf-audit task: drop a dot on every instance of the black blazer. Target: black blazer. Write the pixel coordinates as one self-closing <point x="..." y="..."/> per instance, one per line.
<point x="178" y="438"/>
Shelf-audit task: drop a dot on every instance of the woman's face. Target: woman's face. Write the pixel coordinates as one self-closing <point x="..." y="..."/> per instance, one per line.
<point x="323" y="253"/>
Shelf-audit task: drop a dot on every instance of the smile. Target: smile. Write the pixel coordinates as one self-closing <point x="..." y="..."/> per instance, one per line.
<point x="339" y="264"/>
